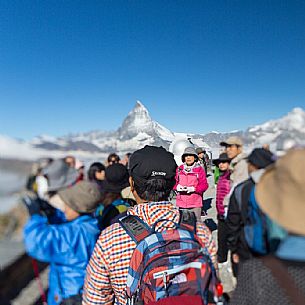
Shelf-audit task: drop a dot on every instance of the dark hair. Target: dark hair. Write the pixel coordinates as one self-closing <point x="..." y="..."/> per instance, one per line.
<point x="156" y="189"/>
<point x="109" y="197"/>
<point x="93" y="169"/>
<point x="114" y="157"/>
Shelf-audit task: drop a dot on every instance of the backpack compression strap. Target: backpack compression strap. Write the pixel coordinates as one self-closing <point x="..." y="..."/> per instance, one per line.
<point x="136" y="228"/>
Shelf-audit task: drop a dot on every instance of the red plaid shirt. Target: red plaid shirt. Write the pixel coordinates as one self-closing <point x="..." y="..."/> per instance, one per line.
<point x="108" y="267"/>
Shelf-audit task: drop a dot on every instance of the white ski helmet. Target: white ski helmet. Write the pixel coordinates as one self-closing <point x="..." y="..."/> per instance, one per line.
<point x="177" y="148"/>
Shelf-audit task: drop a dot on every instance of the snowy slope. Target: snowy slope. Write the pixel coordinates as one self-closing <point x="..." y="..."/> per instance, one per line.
<point x="15" y="149"/>
<point x="288" y="130"/>
<point x="137" y="130"/>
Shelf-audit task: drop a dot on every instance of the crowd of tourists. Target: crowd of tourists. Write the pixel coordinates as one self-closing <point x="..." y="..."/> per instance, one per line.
<point x="133" y="230"/>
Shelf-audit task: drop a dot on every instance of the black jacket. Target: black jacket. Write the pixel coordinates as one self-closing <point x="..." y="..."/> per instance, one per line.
<point x="236" y="218"/>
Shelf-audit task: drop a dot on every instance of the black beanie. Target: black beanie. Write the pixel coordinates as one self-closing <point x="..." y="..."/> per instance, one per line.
<point x="261" y="158"/>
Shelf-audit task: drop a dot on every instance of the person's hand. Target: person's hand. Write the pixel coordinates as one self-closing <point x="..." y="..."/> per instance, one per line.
<point x="32" y="204"/>
<point x="190" y="189"/>
<point x="181" y="188"/>
<point x="235" y="258"/>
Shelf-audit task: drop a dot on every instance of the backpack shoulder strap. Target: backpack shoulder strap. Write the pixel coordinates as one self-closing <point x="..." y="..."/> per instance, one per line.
<point x="284" y="279"/>
<point x="242" y="194"/>
<point x="187" y="220"/>
<point x="135" y="227"/>
<point x="242" y="191"/>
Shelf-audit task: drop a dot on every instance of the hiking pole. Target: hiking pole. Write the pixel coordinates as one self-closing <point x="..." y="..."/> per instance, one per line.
<point x="39" y="282"/>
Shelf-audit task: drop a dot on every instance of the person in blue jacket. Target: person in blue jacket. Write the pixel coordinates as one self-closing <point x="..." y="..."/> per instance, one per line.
<point x="66" y="246"/>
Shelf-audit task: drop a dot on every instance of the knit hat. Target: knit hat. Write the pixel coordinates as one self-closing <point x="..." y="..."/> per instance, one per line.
<point x="223" y="157"/>
<point x="83" y="197"/>
<point x="261" y="158"/>
<point x="117" y="178"/>
<point x="232" y="141"/>
<point x="152" y="162"/>
<point x="60" y="175"/>
<point x="189" y="151"/>
<point x="280" y="192"/>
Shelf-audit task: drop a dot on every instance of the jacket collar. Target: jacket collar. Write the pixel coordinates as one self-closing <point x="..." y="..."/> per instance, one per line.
<point x="238" y="158"/>
<point x="256" y="175"/>
<point x="153" y="212"/>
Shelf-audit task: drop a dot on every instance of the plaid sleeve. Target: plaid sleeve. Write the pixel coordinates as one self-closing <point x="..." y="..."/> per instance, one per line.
<point x="206" y="238"/>
<point x="97" y="288"/>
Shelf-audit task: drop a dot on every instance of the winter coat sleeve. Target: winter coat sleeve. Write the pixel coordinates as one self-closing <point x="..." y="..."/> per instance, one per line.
<point x="97" y="285"/>
<point x="233" y="222"/>
<point x="202" y="182"/>
<point x="176" y="178"/>
<point x="206" y="238"/>
<point x="46" y="242"/>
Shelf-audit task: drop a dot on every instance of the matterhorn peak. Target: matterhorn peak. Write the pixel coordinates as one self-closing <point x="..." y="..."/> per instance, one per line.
<point x="139" y="108"/>
<point x="138" y="121"/>
<point x="139" y="105"/>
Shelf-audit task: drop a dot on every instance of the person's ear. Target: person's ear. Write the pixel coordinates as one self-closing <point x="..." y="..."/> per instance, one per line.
<point x="131" y="183"/>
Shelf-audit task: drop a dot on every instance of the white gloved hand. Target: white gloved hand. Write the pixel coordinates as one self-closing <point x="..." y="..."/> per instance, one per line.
<point x="180" y="188"/>
<point x="190" y="189"/>
<point x="226" y="212"/>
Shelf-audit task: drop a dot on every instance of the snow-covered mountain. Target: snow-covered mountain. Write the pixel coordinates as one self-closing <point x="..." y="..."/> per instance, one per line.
<point x="139" y="129"/>
<point x="281" y="133"/>
<point x="286" y="131"/>
<point x="139" y="121"/>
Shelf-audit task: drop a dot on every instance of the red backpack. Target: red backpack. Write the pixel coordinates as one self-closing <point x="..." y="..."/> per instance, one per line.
<point x="170" y="267"/>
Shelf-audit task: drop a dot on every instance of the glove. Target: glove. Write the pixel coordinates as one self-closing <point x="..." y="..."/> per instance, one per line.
<point x="226" y="212"/>
<point x="46" y="208"/>
<point x="190" y="189"/>
<point x="181" y="188"/>
<point x="32" y="204"/>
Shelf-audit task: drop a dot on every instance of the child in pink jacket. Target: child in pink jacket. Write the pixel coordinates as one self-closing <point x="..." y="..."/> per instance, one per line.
<point x="191" y="183"/>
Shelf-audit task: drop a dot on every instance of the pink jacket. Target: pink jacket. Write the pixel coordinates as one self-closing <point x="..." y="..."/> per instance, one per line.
<point x="196" y="178"/>
<point x="223" y="189"/>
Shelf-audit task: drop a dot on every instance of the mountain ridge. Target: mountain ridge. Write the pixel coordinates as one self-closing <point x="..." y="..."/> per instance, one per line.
<point x="139" y="129"/>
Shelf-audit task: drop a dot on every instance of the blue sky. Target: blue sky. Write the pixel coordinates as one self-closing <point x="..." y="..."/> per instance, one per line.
<point x="70" y="66"/>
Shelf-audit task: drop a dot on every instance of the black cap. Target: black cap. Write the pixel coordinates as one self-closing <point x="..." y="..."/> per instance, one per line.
<point x="152" y="162"/>
<point x="223" y="157"/>
<point x="261" y="158"/>
<point x="116" y="178"/>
